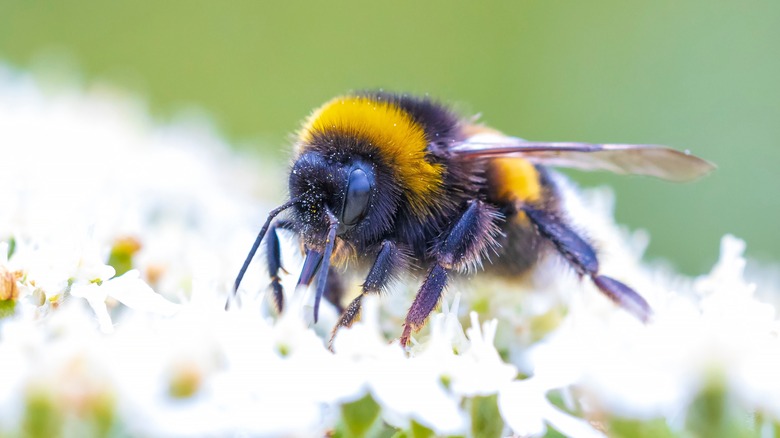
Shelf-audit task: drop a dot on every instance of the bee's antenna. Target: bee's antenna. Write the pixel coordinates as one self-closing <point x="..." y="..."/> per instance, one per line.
<point x="259" y="239"/>
<point x="322" y="276"/>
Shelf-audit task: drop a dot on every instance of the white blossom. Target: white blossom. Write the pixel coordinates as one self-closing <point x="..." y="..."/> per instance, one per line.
<point x="155" y="351"/>
<point x="128" y="289"/>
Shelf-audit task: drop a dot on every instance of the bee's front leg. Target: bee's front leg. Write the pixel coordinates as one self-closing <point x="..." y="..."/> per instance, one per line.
<point x="582" y="257"/>
<point x="274" y="261"/>
<point x="389" y="261"/>
<point x="465" y="243"/>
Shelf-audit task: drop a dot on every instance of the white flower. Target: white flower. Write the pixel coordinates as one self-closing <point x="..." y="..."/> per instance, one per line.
<point x="406" y="389"/>
<point x="468" y="362"/>
<point x="88" y="171"/>
<point x="129" y="290"/>
<point x="643" y="372"/>
<point x="525" y="408"/>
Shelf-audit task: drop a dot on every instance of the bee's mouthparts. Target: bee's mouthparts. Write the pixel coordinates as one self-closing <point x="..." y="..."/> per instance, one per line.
<point x="310" y="267"/>
<point x="313" y="262"/>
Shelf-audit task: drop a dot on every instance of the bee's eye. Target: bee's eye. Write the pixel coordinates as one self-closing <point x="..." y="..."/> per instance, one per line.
<point x="356" y="201"/>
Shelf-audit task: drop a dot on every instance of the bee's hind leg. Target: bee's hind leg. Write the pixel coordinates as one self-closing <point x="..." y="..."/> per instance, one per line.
<point x="581" y="255"/>
<point x="388" y="262"/>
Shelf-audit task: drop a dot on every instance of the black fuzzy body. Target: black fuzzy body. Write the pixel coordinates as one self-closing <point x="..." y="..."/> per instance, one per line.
<point x="464" y="181"/>
<point x="380" y="181"/>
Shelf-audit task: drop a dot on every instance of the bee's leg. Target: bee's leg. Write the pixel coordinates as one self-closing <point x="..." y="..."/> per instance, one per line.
<point x="581" y="255"/>
<point x="472" y="234"/>
<point x="274" y="261"/>
<point x="426" y="300"/>
<point x="388" y="262"/>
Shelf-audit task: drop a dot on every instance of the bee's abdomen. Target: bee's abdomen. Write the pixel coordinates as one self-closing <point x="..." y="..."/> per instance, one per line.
<point x="512" y="182"/>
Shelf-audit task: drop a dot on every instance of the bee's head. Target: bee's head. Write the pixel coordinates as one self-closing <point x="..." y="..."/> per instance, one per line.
<point x="350" y="189"/>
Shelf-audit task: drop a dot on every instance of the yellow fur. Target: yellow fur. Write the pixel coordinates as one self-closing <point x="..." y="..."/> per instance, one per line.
<point x="397" y="138"/>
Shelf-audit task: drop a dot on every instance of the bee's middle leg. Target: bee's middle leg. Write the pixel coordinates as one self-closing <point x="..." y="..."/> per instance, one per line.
<point x="468" y="238"/>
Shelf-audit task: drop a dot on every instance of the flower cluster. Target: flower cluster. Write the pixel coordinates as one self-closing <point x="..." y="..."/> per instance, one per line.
<point x="119" y="241"/>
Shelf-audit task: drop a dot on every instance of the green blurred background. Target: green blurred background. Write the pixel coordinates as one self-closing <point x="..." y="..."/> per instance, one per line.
<point x="701" y="75"/>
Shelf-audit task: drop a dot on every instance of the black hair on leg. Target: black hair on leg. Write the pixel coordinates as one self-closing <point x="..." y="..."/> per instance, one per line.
<point x="389" y="261"/>
<point x="581" y="255"/>
<point x="470" y="236"/>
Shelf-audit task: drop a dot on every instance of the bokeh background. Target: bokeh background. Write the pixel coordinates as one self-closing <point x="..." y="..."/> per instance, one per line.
<point x="700" y="74"/>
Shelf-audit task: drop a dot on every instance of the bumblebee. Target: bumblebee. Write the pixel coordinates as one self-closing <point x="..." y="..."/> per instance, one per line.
<point x="390" y="181"/>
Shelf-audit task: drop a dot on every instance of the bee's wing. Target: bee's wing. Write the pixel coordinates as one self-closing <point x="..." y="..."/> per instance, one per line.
<point x="639" y="159"/>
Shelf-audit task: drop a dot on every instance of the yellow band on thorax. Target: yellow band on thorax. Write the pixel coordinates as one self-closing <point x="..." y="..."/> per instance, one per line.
<point x="396" y="137"/>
